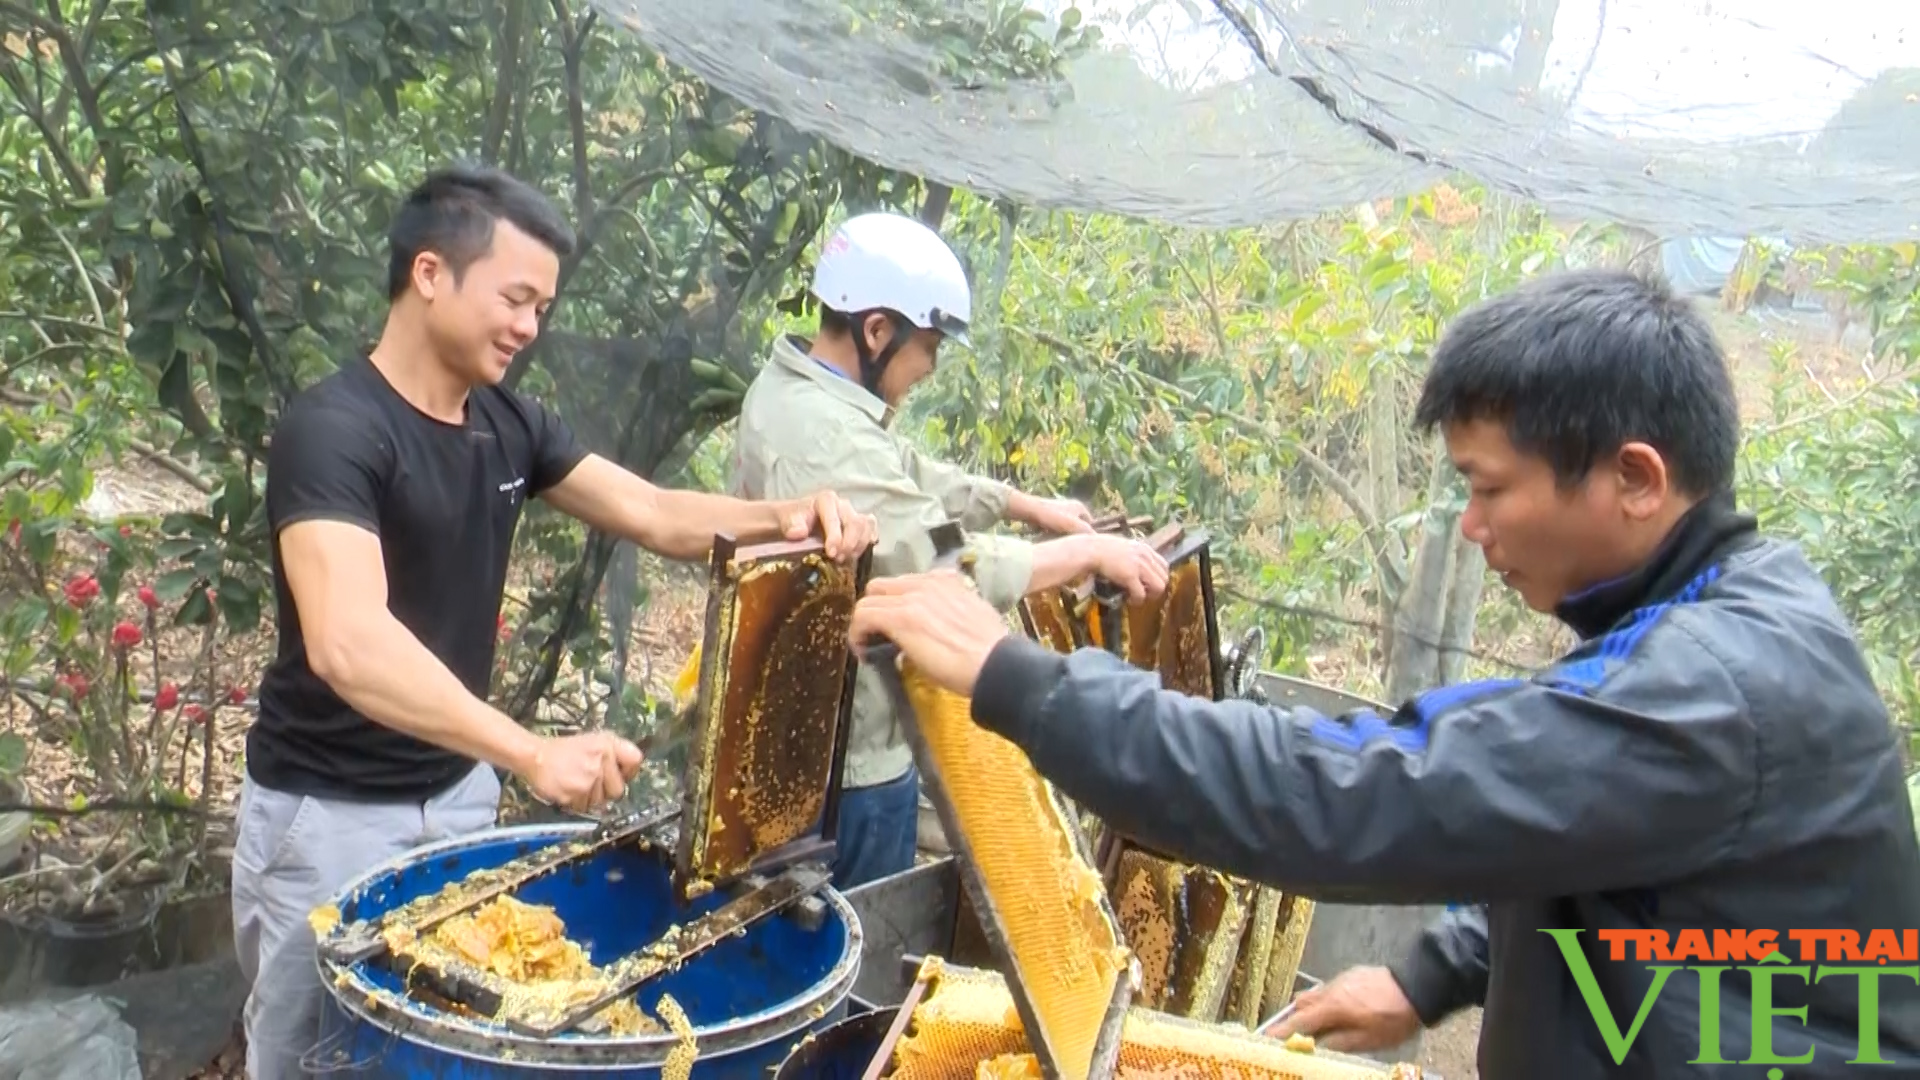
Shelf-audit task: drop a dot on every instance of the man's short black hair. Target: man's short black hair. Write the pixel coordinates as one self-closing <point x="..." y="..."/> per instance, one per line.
<point x="1579" y="363"/>
<point x="452" y="214"/>
<point x="835" y="322"/>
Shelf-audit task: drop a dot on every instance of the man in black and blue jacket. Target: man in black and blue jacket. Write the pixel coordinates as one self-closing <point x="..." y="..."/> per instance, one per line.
<point x="1711" y="761"/>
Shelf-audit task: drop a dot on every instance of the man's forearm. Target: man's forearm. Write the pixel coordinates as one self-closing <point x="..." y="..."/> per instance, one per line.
<point x="1061" y="562"/>
<point x="383" y="671"/>
<point x="1021" y="506"/>
<point x="688" y="521"/>
<point x="678" y="525"/>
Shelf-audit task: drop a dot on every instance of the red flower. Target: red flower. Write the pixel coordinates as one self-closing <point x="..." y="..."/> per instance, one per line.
<point x="237" y="696"/>
<point x="148" y="598"/>
<point x="13" y="530"/>
<point x="81" y="590"/>
<point x="500" y="625"/>
<point x="166" y="698"/>
<point x="74" y="683"/>
<point x="194" y="714"/>
<point x="125" y="635"/>
<point x="126" y="530"/>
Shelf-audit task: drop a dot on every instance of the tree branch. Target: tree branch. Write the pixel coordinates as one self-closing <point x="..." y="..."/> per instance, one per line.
<point x="1320" y="615"/>
<point x="232" y="281"/>
<point x="587" y="236"/>
<point x="1394" y="575"/>
<point x="87" y="94"/>
<point x="86" y="278"/>
<point x="500" y="112"/>
<point x="572" y="41"/>
<point x="145" y="449"/>
<point x="55" y="320"/>
<point x="56" y="146"/>
<point x="1834" y="404"/>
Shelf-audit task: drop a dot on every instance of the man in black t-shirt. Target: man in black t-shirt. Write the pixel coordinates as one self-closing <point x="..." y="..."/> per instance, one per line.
<point x="393" y="490"/>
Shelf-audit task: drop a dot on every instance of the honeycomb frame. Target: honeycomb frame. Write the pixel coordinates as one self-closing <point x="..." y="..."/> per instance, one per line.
<point x="1071" y="976"/>
<point x="964" y="1018"/>
<point x="1143" y="634"/>
<point x="1062" y="621"/>
<point x="1047" y="617"/>
<point x="775" y="632"/>
<point x="1188" y="925"/>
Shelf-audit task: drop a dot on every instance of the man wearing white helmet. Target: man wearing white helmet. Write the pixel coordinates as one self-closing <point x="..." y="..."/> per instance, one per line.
<point x="818" y="416"/>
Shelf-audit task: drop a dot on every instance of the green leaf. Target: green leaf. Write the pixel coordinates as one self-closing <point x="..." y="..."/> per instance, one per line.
<point x="196" y="611"/>
<point x="66" y="622"/>
<point x="174" y="584"/>
<point x="239" y="605"/>
<point x="236" y="495"/>
<point x="151" y="342"/>
<point x="177" y="549"/>
<point x="13" y="754"/>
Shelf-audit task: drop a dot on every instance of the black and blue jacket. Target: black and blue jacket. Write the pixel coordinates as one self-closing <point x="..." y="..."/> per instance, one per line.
<point x="1713" y="755"/>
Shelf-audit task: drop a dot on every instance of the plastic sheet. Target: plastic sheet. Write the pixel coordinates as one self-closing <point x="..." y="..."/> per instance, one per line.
<point x="1684" y="117"/>
<point x="80" y="1038"/>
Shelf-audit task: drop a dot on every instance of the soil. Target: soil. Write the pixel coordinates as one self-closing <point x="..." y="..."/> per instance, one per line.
<point x="1448" y="1051"/>
<point x="230" y="1065"/>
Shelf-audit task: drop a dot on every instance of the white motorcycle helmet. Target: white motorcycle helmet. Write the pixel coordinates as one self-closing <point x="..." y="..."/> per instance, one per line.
<point x="896" y="265"/>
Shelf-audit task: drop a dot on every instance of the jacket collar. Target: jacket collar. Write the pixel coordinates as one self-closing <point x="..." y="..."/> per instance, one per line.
<point x="1706" y="533"/>
<point x="791" y="352"/>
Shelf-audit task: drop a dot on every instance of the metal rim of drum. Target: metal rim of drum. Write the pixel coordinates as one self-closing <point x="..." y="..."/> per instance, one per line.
<point x="460" y="1037"/>
<point x="881" y="1017"/>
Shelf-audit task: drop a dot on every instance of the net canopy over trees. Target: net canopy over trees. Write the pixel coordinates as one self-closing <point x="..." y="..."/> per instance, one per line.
<point x="1211" y="243"/>
<point x="1767" y="117"/>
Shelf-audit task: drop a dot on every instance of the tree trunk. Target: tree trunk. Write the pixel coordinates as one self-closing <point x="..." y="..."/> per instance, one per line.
<point x="1415" y="663"/>
<point x="934" y="210"/>
<point x="1383" y="439"/>
<point x="621" y="585"/>
<point x="1467" y="582"/>
<point x="1383" y="477"/>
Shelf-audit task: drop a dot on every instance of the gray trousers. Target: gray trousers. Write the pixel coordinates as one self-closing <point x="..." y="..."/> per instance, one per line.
<point x="293" y="853"/>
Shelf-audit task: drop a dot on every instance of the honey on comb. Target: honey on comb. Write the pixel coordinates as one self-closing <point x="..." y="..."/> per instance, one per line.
<point x="1051" y="621"/>
<point x="1168" y="634"/>
<point x="1289" y="944"/>
<point x="1249" y="988"/>
<point x="1185" y="923"/>
<point x="1184" y="656"/>
<point x="1050" y="903"/>
<point x="965" y="1028"/>
<point x="764" y="764"/>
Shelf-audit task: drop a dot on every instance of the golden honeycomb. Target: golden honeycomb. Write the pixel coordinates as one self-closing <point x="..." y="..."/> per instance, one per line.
<point x="1248" y="992"/>
<point x="1185" y="923"/>
<point x="679" y="1063"/>
<point x="1010" y="1067"/>
<point x="1289" y="942"/>
<point x="1049" y="619"/>
<point x="1168" y="633"/>
<point x="768" y="708"/>
<point x="1051" y="905"/>
<point x="966" y="1024"/>
<point x="520" y="952"/>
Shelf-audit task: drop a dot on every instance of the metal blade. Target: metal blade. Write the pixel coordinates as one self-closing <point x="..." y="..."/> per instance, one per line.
<point x="361" y="940"/>
<point x="635" y="969"/>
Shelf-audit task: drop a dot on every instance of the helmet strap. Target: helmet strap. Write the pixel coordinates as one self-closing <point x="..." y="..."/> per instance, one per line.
<point x="873" y="365"/>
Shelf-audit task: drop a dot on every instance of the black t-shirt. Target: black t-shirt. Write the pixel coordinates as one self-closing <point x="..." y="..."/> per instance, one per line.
<point x="444" y="500"/>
